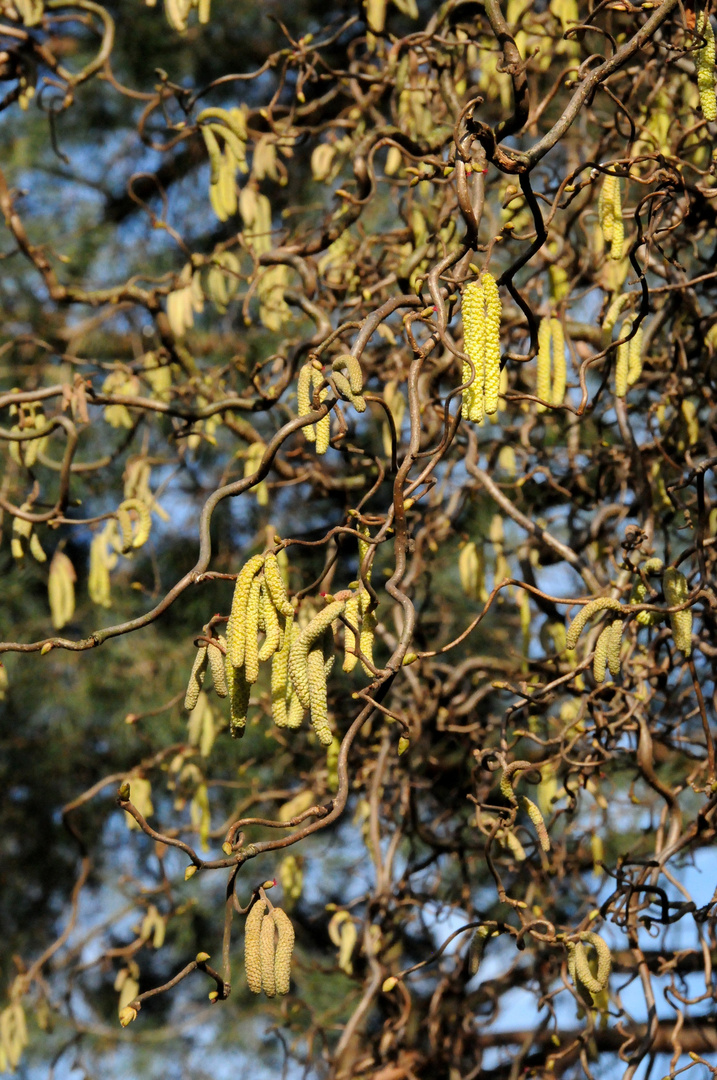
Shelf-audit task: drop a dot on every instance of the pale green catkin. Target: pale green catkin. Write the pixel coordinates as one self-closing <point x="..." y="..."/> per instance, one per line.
<point x="236" y="626"/>
<point x="280" y="676"/>
<point x="239" y="691"/>
<point x="613" y="646"/>
<point x="196" y="678"/>
<point x="267" y="953"/>
<point x="600" y="656"/>
<point x="622" y="363"/>
<point x="298" y="669"/>
<point x="271" y="625"/>
<point x="275" y="585"/>
<point x="284" y="949"/>
<point x="601" y="603"/>
<point x="604" y="957"/>
<point x="351" y="639"/>
<point x="676" y="589"/>
<point x="318" y="696"/>
<point x="251" y="645"/>
<point x="252" y="953"/>
<point x="216" y="664"/>
<point x="536" y="817"/>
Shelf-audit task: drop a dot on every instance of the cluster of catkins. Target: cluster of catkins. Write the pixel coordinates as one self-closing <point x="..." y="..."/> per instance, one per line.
<point x="268" y="945"/>
<point x="607" y="648"/>
<point x="301" y="655"/>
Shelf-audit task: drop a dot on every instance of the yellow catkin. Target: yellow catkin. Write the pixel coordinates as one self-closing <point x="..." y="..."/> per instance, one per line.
<point x="239" y="691"/>
<point x="613" y="646"/>
<point x="284" y="949"/>
<point x="477" y="948"/>
<point x="298" y="669"/>
<point x="144" y="521"/>
<point x="705" y="64"/>
<point x="352" y="613"/>
<point x="493" y="315"/>
<point x="368" y="631"/>
<point x="536" y="817"/>
<point x="236" y="627"/>
<point x="252" y="954"/>
<point x="601" y="603"/>
<point x="295" y="711"/>
<point x="363" y="549"/>
<point x="61" y="590"/>
<point x="215" y="657"/>
<point x="275" y="584"/>
<point x="474" y="345"/>
<point x="616" y="305"/>
<point x="545" y="336"/>
<point x="600" y="656"/>
<point x="318" y="696"/>
<point x="559" y="366"/>
<point x="606" y="206"/>
<point x="618" y="228"/>
<point x="267" y="951"/>
<point x="251" y="644"/>
<point x="271" y="625"/>
<point x="622" y="363"/>
<point x="280" y="676"/>
<point x="634" y="358"/>
<point x="604" y="957"/>
<point x="582" y="972"/>
<point x="676" y="590"/>
<point x="125" y="526"/>
<point x="353" y="370"/>
<point x="303" y="399"/>
<point x="196" y="678"/>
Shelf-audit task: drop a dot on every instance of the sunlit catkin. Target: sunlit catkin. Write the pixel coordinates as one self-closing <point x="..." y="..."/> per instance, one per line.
<point x="267" y="953"/>
<point x="215" y="656"/>
<point x="239" y="691"/>
<point x="559" y="381"/>
<point x="284" y="949"/>
<point x="474" y="345"/>
<point x="601" y="603"/>
<point x="622" y="363"/>
<point x="275" y="584"/>
<point x="271" y="625"/>
<point x="613" y="646"/>
<point x="368" y="632"/>
<point x="600" y="655"/>
<point x="280" y="676"/>
<point x="251" y="644"/>
<point x="298" y="667"/>
<point x="604" y="957"/>
<point x="352" y="614"/>
<point x="705" y="64"/>
<point x="634" y="358"/>
<point x="542" y="389"/>
<point x="676" y="592"/>
<point x="196" y="678"/>
<point x="252" y="953"/>
<point x="318" y="696"/>
<point x="236" y="626"/>
<point x="493" y="315"/>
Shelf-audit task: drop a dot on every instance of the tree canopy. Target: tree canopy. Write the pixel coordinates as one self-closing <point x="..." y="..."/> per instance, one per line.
<point x="358" y="537"/>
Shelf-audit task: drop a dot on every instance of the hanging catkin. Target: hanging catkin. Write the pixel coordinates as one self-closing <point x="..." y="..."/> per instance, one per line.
<point x="601" y="603"/>
<point x="284" y="949"/>
<point x="705" y="64"/>
<point x="676" y="589"/>
<point x="482" y="311"/>
<point x="252" y="953"/>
